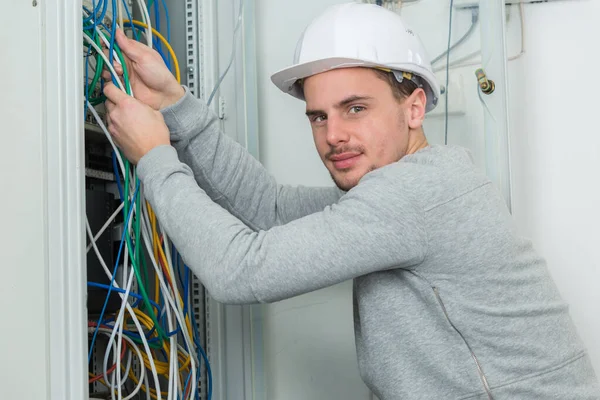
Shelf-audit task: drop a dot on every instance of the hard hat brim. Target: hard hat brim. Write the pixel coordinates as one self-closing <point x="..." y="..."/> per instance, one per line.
<point x="286" y="78"/>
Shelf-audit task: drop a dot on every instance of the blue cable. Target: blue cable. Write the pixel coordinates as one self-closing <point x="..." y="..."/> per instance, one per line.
<point x="157" y="21"/>
<point x="112" y="37"/>
<point x="131" y="19"/>
<point x="202" y="354"/>
<point x="94" y="15"/>
<point x="187" y="381"/>
<point x="156" y="17"/>
<point x="117" y="175"/>
<point x="120" y="290"/>
<point x="162" y="54"/>
<point x="112" y="280"/>
<point x="164" y="3"/>
<point x="87" y="61"/>
<point x="186" y="289"/>
<point x="87" y="83"/>
<point x="155" y="44"/>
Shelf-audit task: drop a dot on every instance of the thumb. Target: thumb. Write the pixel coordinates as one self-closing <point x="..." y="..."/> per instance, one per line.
<point x="131" y="48"/>
<point x="114" y="94"/>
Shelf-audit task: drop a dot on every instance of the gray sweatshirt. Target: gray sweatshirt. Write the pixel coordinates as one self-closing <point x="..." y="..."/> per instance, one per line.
<point x="449" y="301"/>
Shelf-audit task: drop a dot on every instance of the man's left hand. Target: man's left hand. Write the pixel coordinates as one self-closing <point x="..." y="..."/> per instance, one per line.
<point x="135" y="127"/>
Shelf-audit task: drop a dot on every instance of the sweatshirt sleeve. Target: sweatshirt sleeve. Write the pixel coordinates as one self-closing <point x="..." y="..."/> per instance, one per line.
<point x="231" y="176"/>
<point x="373" y="227"/>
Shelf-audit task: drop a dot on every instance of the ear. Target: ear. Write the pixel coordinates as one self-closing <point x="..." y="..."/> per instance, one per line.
<point x="416" y="104"/>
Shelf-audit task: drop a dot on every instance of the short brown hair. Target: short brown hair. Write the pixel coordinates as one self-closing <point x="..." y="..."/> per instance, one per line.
<point x="401" y="90"/>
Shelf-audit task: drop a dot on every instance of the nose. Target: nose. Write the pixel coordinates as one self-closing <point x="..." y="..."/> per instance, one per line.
<point x="337" y="131"/>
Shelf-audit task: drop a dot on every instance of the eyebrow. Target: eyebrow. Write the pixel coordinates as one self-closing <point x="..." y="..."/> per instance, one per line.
<point x="341" y="104"/>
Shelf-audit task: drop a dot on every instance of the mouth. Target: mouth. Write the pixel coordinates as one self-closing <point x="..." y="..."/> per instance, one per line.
<point x="345" y="160"/>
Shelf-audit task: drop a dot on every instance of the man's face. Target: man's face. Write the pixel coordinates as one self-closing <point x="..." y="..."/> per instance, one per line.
<point x="358" y="125"/>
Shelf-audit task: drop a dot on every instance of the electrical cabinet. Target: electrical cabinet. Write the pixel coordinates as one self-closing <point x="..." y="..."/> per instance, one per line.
<point x="83" y="212"/>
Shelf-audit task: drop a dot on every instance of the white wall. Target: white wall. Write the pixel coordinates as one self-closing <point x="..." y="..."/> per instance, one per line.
<point x="556" y="152"/>
<point x="23" y="346"/>
<point x="309" y="339"/>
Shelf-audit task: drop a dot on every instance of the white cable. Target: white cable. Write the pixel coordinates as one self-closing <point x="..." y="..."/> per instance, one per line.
<point x="118" y="325"/>
<point x="172" y="364"/>
<point x="118" y="321"/>
<point x="169" y="299"/>
<point x="118" y="330"/>
<point x="148" y="397"/>
<point x="121" y="315"/>
<point x="171" y="267"/>
<point x="105" y="226"/>
<point x="104" y="39"/>
<point x="120" y="12"/>
<point x="108" y="64"/>
<point x="167" y="293"/>
<point x="143" y="377"/>
<point x="115" y="376"/>
<point x="173" y="303"/>
<point x="108" y="136"/>
<point x="172" y="358"/>
<point x="146" y="20"/>
<point x="173" y="370"/>
<point x="131" y="312"/>
<point x="176" y="296"/>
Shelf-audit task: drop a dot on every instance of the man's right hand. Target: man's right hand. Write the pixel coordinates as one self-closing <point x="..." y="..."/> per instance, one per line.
<point x="151" y="81"/>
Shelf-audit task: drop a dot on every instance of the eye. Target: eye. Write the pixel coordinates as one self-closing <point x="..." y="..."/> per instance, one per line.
<point x="356" y="109"/>
<point x="319" y="118"/>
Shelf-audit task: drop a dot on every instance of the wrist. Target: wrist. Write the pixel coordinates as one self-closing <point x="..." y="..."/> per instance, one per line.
<point x="173" y="97"/>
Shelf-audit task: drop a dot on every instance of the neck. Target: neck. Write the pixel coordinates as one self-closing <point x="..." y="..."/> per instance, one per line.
<point x="416" y="141"/>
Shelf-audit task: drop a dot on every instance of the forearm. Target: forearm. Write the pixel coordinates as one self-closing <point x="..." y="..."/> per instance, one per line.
<point x="231" y="176"/>
<point x="240" y="265"/>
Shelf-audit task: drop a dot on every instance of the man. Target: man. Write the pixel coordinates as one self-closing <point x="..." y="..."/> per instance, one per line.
<point x="449" y="301"/>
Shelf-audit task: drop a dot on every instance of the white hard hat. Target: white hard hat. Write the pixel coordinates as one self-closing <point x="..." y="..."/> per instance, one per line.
<point x="359" y="35"/>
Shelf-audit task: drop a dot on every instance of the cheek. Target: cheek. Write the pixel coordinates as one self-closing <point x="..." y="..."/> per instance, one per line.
<point x="320" y="143"/>
<point x="387" y="141"/>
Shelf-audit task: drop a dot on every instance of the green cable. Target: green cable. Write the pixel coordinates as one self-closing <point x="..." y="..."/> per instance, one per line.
<point x="161" y="333"/>
<point x="132" y="255"/>
<point x="99" y="63"/>
<point x="125" y="72"/>
<point x="142" y="289"/>
<point x="138" y="205"/>
<point x="135" y="257"/>
<point x="138" y="243"/>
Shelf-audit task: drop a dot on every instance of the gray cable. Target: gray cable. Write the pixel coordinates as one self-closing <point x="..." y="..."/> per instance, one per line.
<point x="235" y="31"/>
<point x="467" y="35"/>
<point x="448" y="71"/>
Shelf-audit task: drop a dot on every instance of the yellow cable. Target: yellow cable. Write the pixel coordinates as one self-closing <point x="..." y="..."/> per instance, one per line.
<point x="159" y="252"/>
<point x="164" y="41"/>
<point x="162" y="367"/>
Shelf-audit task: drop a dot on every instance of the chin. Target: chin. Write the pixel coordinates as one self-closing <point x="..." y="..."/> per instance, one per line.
<point x="346" y="181"/>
